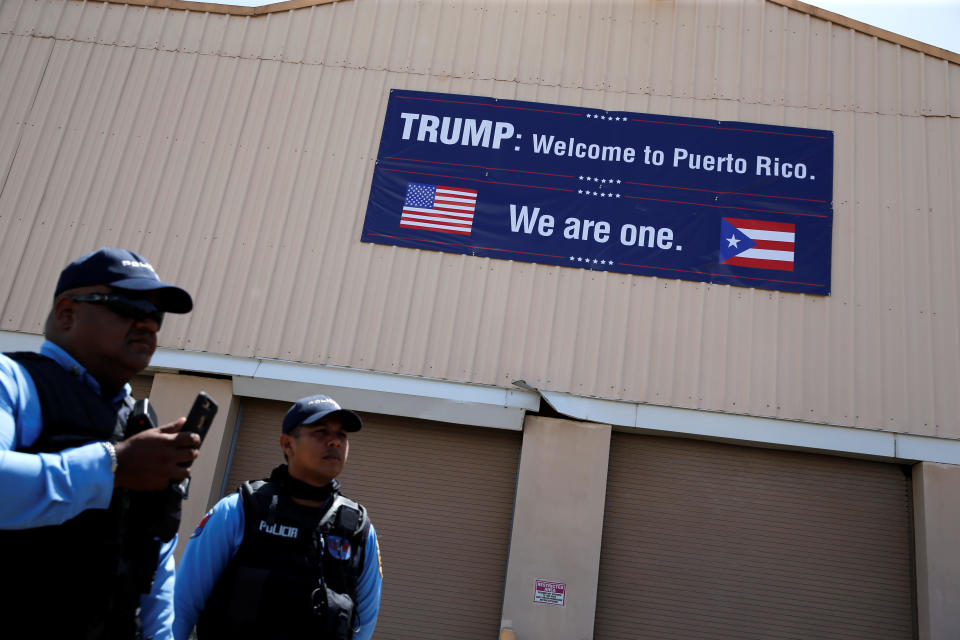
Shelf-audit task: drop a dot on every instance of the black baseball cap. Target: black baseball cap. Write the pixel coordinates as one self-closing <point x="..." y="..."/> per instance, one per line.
<point x="313" y="408"/>
<point x="124" y="270"/>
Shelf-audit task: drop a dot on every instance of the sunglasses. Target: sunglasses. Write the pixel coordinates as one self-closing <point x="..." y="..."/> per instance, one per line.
<point x="134" y="308"/>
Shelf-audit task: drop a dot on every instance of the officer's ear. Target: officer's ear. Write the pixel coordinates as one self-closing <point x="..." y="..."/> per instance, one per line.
<point x="285" y="446"/>
<point x="61" y="316"/>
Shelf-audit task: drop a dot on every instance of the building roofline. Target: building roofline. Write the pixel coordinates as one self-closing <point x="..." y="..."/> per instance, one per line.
<point x="796" y="5"/>
<point x="870" y="30"/>
<point x="198" y="6"/>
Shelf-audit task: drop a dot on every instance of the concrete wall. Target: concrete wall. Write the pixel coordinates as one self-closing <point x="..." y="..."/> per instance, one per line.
<point x="936" y="494"/>
<point x="557" y="527"/>
<point x="172" y="396"/>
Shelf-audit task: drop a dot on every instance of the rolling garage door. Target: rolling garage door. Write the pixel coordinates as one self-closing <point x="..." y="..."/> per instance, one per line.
<point x="441" y="497"/>
<point x="140" y="386"/>
<point x="706" y="541"/>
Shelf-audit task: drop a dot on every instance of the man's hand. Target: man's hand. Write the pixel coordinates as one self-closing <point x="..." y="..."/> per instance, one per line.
<point x="149" y="460"/>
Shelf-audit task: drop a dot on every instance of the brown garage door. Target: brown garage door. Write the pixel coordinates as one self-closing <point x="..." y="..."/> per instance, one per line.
<point x="441" y="497"/>
<point x="707" y="541"/>
<point x="141" y="385"/>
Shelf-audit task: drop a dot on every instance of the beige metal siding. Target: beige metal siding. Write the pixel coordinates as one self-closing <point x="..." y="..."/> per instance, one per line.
<point x="707" y="541"/>
<point x="257" y="447"/>
<point x="236" y="153"/>
<point x="441" y="498"/>
<point x="141" y="386"/>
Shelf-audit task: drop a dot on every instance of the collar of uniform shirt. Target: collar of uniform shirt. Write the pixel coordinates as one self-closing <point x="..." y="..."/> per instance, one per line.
<point x="65" y="360"/>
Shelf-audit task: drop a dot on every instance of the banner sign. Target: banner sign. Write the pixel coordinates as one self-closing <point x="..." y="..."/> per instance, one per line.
<point x="724" y="202"/>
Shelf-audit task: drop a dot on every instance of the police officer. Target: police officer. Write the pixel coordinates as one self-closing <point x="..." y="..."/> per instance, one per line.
<point x="287" y="557"/>
<point x="80" y="561"/>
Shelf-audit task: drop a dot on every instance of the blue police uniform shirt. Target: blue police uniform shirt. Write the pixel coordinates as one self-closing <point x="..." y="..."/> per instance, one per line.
<point x="212" y="547"/>
<point x="45" y="489"/>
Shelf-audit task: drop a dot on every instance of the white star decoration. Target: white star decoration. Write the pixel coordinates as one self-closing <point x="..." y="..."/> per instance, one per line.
<point x="591" y="260"/>
<point x="733" y="241"/>
<point x="598" y="194"/>
<point x="601" y="181"/>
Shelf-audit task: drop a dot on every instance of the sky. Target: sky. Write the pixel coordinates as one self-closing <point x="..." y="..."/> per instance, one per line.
<point x="935" y="22"/>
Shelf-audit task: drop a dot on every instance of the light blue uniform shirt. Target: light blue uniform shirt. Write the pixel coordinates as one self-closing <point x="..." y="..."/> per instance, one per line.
<point x="212" y="547"/>
<point x="38" y="490"/>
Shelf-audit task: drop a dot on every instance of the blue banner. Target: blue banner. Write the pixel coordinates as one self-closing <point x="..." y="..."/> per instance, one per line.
<point x="725" y="202"/>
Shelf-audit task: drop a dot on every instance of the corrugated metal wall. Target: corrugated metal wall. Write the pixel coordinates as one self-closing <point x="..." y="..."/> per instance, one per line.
<point x="236" y="153"/>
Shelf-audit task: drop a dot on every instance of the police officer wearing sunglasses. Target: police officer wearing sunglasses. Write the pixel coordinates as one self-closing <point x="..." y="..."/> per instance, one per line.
<point x="81" y="559"/>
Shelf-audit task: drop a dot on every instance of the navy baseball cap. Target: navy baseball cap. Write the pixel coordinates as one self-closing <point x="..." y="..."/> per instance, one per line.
<point x="313" y="408"/>
<point x="125" y="270"/>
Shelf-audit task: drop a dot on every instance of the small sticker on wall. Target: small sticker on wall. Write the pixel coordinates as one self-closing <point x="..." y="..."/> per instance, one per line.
<point x="550" y="592"/>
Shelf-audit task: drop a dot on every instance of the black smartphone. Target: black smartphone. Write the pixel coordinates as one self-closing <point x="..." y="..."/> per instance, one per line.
<point x="198" y="421"/>
<point x="201" y="415"/>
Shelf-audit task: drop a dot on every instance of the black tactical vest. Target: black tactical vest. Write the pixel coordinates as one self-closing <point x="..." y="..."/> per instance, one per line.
<point x="83" y="578"/>
<point x="295" y="573"/>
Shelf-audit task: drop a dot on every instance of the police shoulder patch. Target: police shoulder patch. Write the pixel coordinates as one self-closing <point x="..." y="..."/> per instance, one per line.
<point x="338" y="547"/>
<point x="203" y="521"/>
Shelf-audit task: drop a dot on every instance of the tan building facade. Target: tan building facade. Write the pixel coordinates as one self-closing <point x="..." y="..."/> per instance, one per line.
<point x="549" y="451"/>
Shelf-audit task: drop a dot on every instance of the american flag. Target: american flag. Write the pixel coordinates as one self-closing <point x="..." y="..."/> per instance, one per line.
<point x="437" y="208"/>
<point x="758" y="244"/>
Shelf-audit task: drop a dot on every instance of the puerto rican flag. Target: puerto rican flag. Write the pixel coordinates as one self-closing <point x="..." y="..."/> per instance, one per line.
<point x="758" y="244"/>
<point x="437" y="208"/>
<point x="199" y="528"/>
